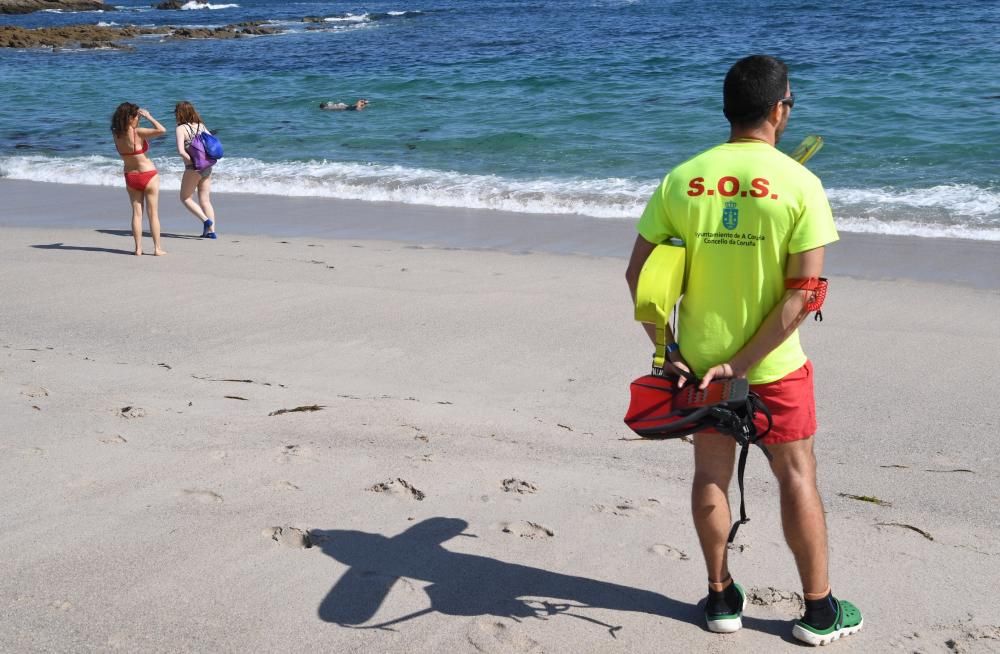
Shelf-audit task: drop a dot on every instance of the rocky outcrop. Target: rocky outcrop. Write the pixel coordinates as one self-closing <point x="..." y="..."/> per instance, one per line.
<point x="235" y="31"/>
<point x="94" y="36"/>
<point x="70" y="36"/>
<point x="28" y="6"/>
<point x="172" y="4"/>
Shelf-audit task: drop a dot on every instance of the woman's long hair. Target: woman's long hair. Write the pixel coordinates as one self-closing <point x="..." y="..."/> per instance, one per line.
<point x="185" y="112"/>
<point x="123" y="115"/>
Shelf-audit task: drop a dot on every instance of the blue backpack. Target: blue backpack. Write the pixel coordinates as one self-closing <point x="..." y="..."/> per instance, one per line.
<point x="213" y="147"/>
<point x="204" y="149"/>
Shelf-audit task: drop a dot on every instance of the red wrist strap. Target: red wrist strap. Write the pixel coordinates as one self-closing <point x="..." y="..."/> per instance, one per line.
<point x="818" y="286"/>
<point x="804" y="283"/>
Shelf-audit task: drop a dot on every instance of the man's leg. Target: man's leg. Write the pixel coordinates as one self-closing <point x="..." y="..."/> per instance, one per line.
<point x="714" y="456"/>
<point x="826" y="618"/>
<point x="802" y="518"/>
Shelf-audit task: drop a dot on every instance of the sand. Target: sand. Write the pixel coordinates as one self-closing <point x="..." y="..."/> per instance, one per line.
<point x="463" y="481"/>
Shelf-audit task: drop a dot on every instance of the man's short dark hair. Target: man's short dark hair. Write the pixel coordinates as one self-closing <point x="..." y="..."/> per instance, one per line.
<point x="751" y="88"/>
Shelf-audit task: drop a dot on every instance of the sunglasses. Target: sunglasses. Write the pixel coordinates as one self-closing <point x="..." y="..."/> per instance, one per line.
<point x="790" y="100"/>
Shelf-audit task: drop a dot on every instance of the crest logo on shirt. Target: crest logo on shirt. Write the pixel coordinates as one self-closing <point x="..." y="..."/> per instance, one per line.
<point x="730" y="216"/>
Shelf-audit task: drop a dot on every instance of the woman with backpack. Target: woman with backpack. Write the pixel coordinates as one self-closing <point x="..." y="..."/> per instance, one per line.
<point x="197" y="170"/>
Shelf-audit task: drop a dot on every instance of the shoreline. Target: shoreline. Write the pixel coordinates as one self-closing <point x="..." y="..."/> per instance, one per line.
<point x="874" y="257"/>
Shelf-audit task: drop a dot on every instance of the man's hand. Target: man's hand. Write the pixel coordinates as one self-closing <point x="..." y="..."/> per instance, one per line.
<point x="721" y="371"/>
<point x="679" y="368"/>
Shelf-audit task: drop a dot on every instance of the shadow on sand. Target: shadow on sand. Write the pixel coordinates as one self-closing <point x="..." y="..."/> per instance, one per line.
<point x="471" y="585"/>
<point x="128" y="232"/>
<point x="81" y="248"/>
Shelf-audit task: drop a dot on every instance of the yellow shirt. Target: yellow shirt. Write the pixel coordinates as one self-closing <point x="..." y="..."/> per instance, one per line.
<point x="740" y="208"/>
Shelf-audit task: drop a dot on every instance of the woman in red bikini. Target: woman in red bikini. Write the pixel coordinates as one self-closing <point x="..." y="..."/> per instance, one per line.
<point x="141" y="179"/>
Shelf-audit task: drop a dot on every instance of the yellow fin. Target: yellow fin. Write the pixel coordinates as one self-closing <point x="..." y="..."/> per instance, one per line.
<point x="661" y="283"/>
<point x="809" y="146"/>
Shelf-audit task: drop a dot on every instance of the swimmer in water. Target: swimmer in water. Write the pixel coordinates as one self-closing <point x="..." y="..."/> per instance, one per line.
<point x="340" y="106"/>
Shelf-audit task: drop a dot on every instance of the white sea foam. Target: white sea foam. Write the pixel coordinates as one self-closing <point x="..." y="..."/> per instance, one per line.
<point x="962" y="211"/>
<point x="913" y="228"/>
<point x="106" y="24"/>
<point x="960" y="199"/>
<point x="348" y="18"/>
<point x="192" y="5"/>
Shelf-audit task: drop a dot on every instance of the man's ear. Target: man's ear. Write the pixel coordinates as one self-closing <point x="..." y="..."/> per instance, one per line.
<point x="774" y="115"/>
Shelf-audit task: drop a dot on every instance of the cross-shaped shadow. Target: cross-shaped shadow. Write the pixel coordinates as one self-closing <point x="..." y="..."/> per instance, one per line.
<point x="467" y="584"/>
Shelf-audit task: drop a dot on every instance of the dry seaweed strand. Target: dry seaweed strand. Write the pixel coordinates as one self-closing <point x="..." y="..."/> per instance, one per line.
<point x="298" y="409"/>
<point x="906" y="526"/>
<point x="866" y="498"/>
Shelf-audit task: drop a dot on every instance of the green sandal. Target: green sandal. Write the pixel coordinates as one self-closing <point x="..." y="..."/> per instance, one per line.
<point x="727" y="623"/>
<point x="849" y="621"/>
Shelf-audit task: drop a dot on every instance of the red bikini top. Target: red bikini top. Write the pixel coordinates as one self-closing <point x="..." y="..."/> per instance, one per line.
<point x="135" y="137"/>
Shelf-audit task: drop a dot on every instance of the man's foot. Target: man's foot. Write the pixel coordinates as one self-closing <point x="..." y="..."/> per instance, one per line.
<point x="206" y="228"/>
<point x="847" y="621"/>
<point x="724" y="609"/>
<point x="138" y="253"/>
<point x="212" y="235"/>
<point x="159" y="252"/>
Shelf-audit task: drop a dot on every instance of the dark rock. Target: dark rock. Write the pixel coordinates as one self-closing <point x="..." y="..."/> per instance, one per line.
<point x="67" y="36"/>
<point x="28" y="6"/>
<point x="94" y="36"/>
<point x="172" y="4"/>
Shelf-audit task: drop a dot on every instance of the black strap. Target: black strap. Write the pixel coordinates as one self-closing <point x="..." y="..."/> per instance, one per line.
<point x="744" y="452"/>
<point x="192" y="132"/>
<point x="745" y="433"/>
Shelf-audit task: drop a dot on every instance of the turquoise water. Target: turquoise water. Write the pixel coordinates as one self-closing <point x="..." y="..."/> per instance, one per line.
<point x="555" y="106"/>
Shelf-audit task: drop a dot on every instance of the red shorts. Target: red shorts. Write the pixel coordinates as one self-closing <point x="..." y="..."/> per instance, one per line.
<point x="792" y="404"/>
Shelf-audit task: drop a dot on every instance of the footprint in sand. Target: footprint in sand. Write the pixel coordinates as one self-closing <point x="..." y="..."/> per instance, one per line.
<point x="201" y="496"/>
<point x="782" y="600"/>
<point x="514" y="485"/>
<point x="907" y="641"/>
<point x="963" y="637"/>
<point x="668" y="552"/>
<point x="491" y="636"/>
<point x="289" y="536"/>
<point x="131" y="412"/>
<point x="399" y="487"/>
<point x="627" y="508"/>
<point x="117" y="439"/>
<point x="61" y="605"/>
<point x="974" y="638"/>
<point x="294" y="454"/>
<point x="35" y="391"/>
<point x="529" y="530"/>
<point x="285" y="485"/>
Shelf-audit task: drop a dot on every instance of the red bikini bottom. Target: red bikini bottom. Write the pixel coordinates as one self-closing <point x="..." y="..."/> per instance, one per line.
<point x="139" y="180"/>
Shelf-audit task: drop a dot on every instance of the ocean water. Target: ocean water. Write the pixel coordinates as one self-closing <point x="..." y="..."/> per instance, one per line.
<point x="545" y="106"/>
